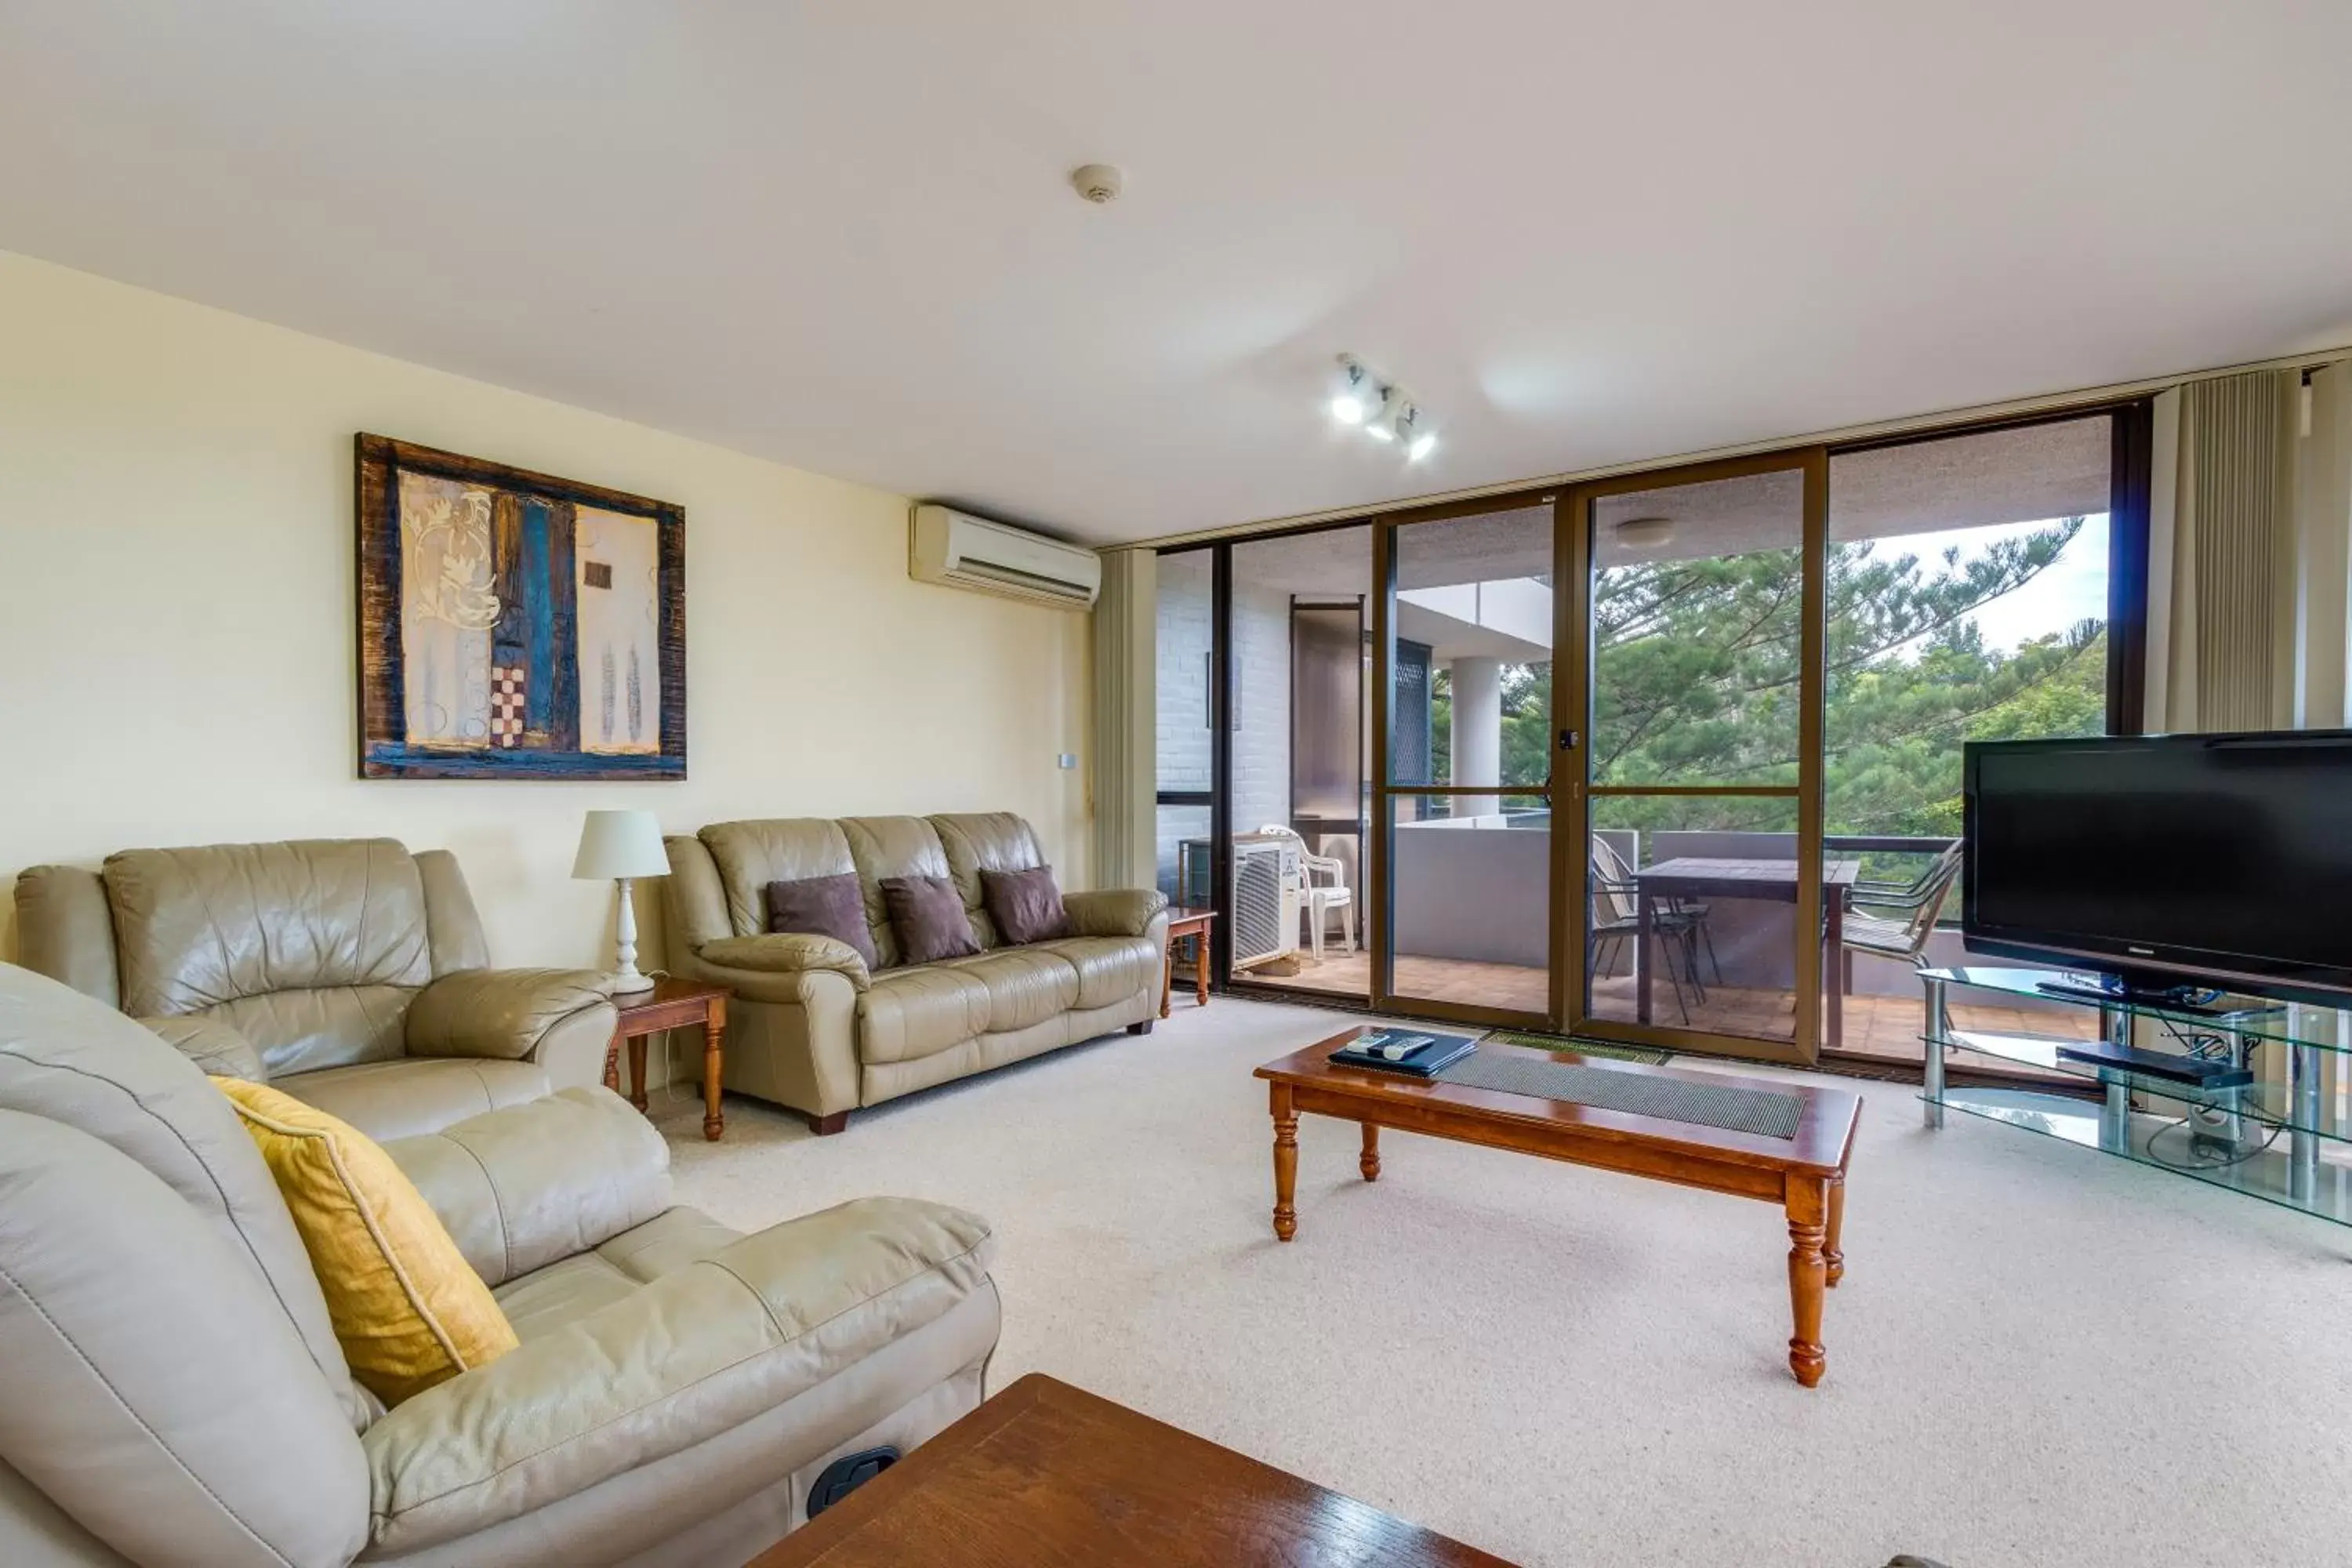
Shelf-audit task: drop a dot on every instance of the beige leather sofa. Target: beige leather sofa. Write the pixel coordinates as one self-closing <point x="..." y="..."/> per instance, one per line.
<point x="347" y="972"/>
<point x="812" y="1029"/>
<point x="173" y="1392"/>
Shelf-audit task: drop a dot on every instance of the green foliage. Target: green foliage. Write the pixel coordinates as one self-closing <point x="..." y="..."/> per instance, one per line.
<point x="1696" y="680"/>
<point x="1695" y="683"/>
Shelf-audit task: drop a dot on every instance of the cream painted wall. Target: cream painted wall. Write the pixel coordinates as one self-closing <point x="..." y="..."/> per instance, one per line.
<point x="176" y="647"/>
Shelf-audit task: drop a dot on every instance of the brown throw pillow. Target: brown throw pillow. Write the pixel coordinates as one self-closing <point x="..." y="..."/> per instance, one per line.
<point x="823" y="906"/>
<point x="926" y="913"/>
<point x="1026" y="905"/>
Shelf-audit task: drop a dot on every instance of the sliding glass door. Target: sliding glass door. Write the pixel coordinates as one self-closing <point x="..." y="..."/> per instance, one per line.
<point x="1698" y="903"/>
<point x="1620" y="759"/>
<point x="1462" y="809"/>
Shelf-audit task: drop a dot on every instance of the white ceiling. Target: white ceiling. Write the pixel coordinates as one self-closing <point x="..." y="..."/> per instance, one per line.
<point x="839" y="235"/>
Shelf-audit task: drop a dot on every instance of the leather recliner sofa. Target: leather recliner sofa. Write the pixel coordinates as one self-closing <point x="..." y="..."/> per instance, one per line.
<point x="813" y="1027"/>
<point x="347" y="972"/>
<point x="175" y="1395"/>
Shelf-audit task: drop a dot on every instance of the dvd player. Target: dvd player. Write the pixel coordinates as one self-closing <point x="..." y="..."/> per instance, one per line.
<point x="2197" y="1072"/>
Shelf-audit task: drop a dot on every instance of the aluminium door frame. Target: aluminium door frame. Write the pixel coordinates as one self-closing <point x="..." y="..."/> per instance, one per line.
<point x="1572" y="909"/>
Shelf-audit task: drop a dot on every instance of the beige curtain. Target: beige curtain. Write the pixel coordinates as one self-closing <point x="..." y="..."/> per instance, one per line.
<point x="1126" y="770"/>
<point x="2226" y="656"/>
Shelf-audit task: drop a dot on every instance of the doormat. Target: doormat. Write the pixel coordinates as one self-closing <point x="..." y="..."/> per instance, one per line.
<point x="1649" y="1054"/>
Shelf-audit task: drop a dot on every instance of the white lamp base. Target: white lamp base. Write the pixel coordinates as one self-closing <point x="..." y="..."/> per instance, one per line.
<point x="627" y="980"/>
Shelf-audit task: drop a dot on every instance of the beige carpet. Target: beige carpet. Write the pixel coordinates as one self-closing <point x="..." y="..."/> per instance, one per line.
<point x="2039" y="1356"/>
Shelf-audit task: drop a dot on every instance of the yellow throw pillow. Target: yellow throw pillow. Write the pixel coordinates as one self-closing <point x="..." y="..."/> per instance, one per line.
<point x="409" y="1310"/>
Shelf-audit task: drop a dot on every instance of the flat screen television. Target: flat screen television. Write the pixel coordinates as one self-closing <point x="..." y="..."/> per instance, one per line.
<point x="2165" y="859"/>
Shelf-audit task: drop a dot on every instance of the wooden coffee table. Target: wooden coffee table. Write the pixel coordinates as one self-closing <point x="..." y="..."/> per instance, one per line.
<point x="1805" y="1173"/>
<point x="1047" y="1474"/>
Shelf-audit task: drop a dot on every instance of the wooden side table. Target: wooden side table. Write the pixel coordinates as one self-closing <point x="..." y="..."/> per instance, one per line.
<point x="1194" y="924"/>
<point x="672" y="1004"/>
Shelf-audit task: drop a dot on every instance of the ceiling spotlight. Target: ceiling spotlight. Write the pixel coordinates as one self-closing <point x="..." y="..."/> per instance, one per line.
<point x="1645" y="533"/>
<point x="1356" y="394"/>
<point x="1362" y="397"/>
<point x="1412" y="431"/>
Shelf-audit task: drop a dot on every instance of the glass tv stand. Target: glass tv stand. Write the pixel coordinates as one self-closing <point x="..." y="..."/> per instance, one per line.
<point x="2285" y="1136"/>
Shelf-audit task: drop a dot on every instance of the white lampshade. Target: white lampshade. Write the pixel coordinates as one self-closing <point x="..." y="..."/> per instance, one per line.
<point x="615" y="844"/>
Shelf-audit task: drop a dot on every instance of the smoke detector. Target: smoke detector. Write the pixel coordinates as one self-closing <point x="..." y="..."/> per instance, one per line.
<point x="1098" y="183"/>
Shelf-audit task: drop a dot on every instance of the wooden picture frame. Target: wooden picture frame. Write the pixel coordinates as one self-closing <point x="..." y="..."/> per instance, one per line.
<point x="514" y="625"/>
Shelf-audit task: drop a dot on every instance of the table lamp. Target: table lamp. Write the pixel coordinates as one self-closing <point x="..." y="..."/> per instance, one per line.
<point x="622" y="845"/>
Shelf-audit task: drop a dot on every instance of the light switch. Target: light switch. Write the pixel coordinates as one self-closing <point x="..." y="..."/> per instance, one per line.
<point x="1066" y="761"/>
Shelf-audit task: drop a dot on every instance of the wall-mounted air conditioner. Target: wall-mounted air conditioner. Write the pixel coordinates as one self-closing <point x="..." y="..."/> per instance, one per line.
<point x="961" y="551"/>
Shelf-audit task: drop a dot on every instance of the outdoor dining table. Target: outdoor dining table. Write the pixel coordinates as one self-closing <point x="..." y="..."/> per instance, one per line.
<point x="1769" y="881"/>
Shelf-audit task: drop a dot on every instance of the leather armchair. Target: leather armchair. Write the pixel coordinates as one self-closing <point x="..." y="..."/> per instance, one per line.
<point x="814" y="1028"/>
<point x="176" y="1395"/>
<point x="347" y="972"/>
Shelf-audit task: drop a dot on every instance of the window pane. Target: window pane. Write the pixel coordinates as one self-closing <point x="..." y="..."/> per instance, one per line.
<point x="1299" y="741"/>
<point x="1697" y="603"/>
<point x="1720" y="878"/>
<point x="1472" y="902"/>
<point x="1968" y="583"/>
<point x="1471" y="702"/>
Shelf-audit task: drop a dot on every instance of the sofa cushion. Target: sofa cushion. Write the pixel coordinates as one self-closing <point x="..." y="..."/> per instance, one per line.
<point x="750" y="855"/>
<point x="546" y="1299"/>
<point x="410" y="1098"/>
<point x="1026" y="986"/>
<point x="978" y="842"/>
<point x="1026" y="905"/>
<point x="1110" y="968"/>
<point x="197" y="928"/>
<point x="520" y="1188"/>
<point x="332" y="1027"/>
<point x="408" y="1308"/>
<point x="928" y="919"/>
<point x="911" y="1013"/>
<point x="892" y="846"/>
<point x="822" y="906"/>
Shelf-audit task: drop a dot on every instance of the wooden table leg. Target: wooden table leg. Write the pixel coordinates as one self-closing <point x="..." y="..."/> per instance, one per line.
<point x="1642" y="960"/>
<point x="1286" y="1164"/>
<point x="637" y="1071"/>
<point x="714" y="1034"/>
<point x="1808" y="1202"/>
<point x="1167" y="978"/>
<point x="1369" y="1161"/>
<point x="1200" y="967"/>
<point x="1832" y="1255"/>
<point x="612" y="1062"/>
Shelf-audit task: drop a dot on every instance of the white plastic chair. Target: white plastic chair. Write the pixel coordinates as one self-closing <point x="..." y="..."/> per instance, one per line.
<point x="1317" y="900"/>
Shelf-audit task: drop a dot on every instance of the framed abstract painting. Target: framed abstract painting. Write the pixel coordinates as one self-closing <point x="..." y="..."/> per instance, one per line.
<point x="515" y="625"/>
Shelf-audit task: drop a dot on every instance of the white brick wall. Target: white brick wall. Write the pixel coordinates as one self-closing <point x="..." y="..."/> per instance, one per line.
<point x="1262" y="697"/>
<point x="1261" y="744"/>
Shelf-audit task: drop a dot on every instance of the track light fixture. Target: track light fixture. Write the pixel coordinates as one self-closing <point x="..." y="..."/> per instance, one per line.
<point x="1365" y="400"/>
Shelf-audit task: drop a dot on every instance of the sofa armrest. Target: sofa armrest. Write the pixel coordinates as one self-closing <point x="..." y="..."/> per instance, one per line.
<point x="696" y="1353"/>
<point x="220" y="1049"/>
<point x="1114" y="911"/>
<point x="500" y="1013"/>
<point x="786" y="953"/>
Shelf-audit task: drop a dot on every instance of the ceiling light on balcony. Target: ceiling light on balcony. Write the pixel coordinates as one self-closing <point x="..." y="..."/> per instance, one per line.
<point x="1645" y="533"/>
